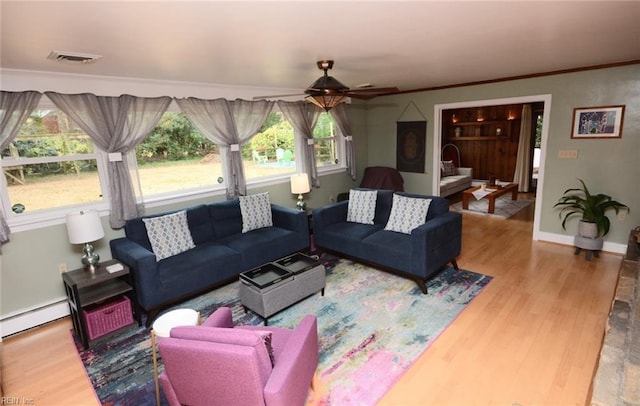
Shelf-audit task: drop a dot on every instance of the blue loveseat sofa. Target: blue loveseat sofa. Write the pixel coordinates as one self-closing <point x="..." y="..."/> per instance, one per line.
<point x="222" y="251"/>
<point x="418" y="255"/>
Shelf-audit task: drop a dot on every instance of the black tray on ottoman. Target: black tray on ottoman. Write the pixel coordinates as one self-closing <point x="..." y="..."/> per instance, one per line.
<point x="298" y="263"/>
<point x="265" y="276"/>
<point x="277" y="285"/>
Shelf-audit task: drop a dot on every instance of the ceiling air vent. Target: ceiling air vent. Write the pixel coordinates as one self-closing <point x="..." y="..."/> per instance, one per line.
<point x="73" y="57"/>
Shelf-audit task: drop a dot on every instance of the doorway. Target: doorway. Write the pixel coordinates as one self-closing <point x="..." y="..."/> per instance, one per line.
<point x="543" y="103"/>
<point x="494" y="141"/>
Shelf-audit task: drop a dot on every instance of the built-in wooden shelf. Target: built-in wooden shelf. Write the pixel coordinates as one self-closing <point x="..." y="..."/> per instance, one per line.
<point x="480" y="138"/>
<point x="479" y="123"/>
<point x="487" y="138"/>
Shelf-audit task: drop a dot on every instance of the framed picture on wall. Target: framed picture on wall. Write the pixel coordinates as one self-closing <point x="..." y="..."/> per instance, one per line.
<point x="597" y="122"/>
<point x="410" y="147"/>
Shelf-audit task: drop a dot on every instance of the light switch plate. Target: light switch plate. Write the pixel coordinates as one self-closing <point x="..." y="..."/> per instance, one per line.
<point x="568" y="153"/>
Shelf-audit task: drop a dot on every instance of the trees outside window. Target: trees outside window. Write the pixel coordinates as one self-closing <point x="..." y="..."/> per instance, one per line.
<point x="52" y="165"/>
<point x="327" y="141"/>
<point x="270" y="151"/>
<point x="175" y="157"/>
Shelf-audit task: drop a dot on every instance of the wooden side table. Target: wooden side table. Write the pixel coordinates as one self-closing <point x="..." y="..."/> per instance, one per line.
<point x="85" y="288"/>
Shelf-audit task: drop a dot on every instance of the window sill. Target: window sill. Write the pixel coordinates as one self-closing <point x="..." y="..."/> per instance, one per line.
<point x="54" y="217"/>
<point x="33" y="221"/>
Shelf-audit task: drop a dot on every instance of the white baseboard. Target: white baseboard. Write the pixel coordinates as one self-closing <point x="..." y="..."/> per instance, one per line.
<point x="28" y="318"/>
<point x="568" y="240"/>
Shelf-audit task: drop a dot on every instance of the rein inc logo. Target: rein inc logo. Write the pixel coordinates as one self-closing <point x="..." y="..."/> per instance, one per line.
<point x="16" y="400"/>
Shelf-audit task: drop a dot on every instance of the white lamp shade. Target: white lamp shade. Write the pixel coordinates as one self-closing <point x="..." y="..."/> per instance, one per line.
<point x="300" y="183"/>
<point x="84" y="227"/>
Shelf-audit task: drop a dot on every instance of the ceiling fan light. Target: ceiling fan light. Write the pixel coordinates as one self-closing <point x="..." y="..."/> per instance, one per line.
<point x="328" y="83"/>
<point x="326" y="101"/>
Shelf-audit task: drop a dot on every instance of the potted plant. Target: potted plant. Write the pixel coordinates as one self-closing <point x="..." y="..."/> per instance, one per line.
<point x="591" y="207"/>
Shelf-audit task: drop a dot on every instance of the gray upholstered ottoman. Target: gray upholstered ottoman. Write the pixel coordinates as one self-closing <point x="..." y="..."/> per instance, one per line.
<point x="268" y="289"/>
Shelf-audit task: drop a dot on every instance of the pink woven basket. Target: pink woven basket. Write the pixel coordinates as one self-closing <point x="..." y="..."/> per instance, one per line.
<point x="107" y="317"/>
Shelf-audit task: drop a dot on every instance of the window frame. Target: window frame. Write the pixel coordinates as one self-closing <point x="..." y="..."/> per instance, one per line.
<point x="47" y="217"/>
<point x="341" y="149"/>
<point x="56" y="215"/>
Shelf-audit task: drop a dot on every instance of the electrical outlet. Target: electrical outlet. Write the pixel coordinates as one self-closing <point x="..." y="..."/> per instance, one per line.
<point x="62" y="267"/>
<point x="332" y="199"/>
<point x="622" y="215"/>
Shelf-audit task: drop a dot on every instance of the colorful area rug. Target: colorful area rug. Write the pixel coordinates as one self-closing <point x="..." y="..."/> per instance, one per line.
<point x="505" y="207"/>
<point x="371" y="326"/>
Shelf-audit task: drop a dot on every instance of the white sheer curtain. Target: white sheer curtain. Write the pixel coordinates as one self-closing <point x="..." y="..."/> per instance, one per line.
<point x="15" y="108"/>
<point x="117" y="125"/>
<point x="522" y="175"/>
<point x="341" y="118"/>
<point x="303" y="117"/>
<point x="229" y="124"/>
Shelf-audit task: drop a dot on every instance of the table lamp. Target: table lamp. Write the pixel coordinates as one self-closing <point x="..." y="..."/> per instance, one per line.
<point x="85" y="227"/>
<point x="299" y="186"/>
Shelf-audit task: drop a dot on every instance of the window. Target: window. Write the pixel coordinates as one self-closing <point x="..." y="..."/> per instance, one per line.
<point x="50" y="164"/>
<point x="327" y="141"/>
<point x="270" y="152"/>
<point x="177" y="157"/>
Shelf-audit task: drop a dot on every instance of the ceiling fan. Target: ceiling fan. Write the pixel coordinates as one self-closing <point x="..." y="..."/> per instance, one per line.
<point x="327" y="92"/>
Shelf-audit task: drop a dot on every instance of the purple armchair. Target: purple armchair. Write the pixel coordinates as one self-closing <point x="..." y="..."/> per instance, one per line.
<point x="217" y="364"/>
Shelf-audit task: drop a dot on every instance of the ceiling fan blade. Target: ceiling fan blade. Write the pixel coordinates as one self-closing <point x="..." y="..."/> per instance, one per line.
<point x="370" y="93"/>
<point x="273" y="96"/>
<point x="328" y="86"/>
<point x="361" y="96"/>
<point x="374" y="90"/>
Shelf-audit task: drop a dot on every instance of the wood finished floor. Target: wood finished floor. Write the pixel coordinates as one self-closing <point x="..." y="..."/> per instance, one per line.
<point x="532" y="337"/>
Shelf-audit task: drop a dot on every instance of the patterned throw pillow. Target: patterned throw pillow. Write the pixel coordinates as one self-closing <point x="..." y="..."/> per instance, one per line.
<point x="407" y="213"/>
<point x="169" y="234"/>
<point x="256" y="211"/>
<point x="266" y="339"/>
<point x="448" y="168"/>
<point x="362" y="206"/>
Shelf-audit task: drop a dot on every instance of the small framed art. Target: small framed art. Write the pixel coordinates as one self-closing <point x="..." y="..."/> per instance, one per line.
<point x="597" y="122"/>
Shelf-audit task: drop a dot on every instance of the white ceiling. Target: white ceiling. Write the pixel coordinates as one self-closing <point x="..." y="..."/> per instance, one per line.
<point x="270" y="44"/>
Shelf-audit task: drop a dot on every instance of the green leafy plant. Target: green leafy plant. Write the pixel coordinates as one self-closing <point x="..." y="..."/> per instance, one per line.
<point x="591" y="207"/>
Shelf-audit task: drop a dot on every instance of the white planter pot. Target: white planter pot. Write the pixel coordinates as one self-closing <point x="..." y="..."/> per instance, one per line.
<point x="587" y="229"/>
<point x="592" y="244"/>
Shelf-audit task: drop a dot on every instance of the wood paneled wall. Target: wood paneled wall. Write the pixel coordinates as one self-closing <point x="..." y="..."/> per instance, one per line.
<point x="487" y="138"/>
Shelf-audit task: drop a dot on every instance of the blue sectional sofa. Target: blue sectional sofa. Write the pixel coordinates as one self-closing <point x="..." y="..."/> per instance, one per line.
<point x="418" y="255"/>
<point x="222" y="251"/>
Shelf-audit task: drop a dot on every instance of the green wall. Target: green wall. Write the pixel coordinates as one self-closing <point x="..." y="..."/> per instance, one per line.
<point x="29" y="262"/>
<point x="609" y="166"/>
<point x="30" y="276"/>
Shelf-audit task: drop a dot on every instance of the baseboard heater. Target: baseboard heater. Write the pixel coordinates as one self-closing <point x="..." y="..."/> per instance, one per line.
<point x="26" y="319"/>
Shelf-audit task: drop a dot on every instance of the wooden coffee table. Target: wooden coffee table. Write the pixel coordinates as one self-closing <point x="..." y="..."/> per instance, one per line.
<point x="497" y="192"/>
